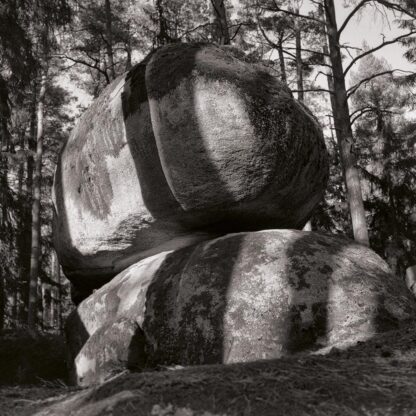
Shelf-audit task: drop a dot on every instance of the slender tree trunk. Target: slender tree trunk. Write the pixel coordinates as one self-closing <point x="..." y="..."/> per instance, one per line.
<point x="4" y="188"/>
<point x="59" y="308"/>
<point x="128" y="51"/>
<point x="299" y="80"/>
<point x="31" y="145"/>
<point x="163" y="37"/>
<point x="221" y="34"/>
<point x="35" y="247"/>
<point x="56" y="292"/>
<point x="47" y="306"/>
<point x="2" y="303"/>
<point x="299" y="62"/>
<point x="109" y="35"/>
<point x="21" y="233"/>
<point x="344" y="130"/>
<point x="26" y="220"/>
<point x="283" y="76"/>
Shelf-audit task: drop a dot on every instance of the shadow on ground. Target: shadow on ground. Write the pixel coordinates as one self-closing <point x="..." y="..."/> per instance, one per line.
<point x="373" y="378"/>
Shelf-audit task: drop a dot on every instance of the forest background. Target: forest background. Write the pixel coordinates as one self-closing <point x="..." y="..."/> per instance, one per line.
<point x="58" y="55"/>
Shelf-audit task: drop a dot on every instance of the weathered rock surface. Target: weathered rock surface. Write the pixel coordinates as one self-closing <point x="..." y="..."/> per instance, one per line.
<point x="114" y="347"/>
<point x="247" y="296"/>
<point x="191" y="141"/>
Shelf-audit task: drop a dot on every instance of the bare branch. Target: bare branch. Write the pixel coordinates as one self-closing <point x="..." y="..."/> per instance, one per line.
<point x="194" y="29"/>
<point x="355" y="87"/>
<point x="345" y="46"/>
<point x="269" y="41"/>
<point x="315" y="90"/>
<point x="360" y="112"/>
<point x="322" y="73"/>
<point x="397" y="7"/>
<point x="289" y="53"/>
<point x="238" y="28"/>
<point x="309" y="50"/>
<point x="350" y="16"/>
<point x="89" y="65"/>
<point x="376" y="48"/>
<point x="277" y="8"/>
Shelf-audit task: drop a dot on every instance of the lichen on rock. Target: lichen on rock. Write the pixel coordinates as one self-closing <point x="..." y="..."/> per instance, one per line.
<point x="191" y="143"/>
<point x="244" y="297"/>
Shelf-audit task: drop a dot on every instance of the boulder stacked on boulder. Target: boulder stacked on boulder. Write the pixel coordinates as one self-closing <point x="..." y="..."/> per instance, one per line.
<point x="179" y="181"/>
<point x="191" y="143"/>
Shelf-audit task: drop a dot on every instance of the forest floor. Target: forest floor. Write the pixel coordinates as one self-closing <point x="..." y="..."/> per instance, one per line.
<point x="373" y="378"/>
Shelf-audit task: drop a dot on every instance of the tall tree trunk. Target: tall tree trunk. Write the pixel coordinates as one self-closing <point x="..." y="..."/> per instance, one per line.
<point x="128" y="51"/>
<point x="26" y="220"/>
<point x="344" y="130"/>
<point x="35" y="246"/>
<point x="299" y="62"/>
<point x="163" y="37"/>
<point x="4" y="189"/>
<point x="299" y="80"/>
<point x="56" y="292"/>
<point x="283" y="76"/>
<point x="22" y="233"/>
<point x="221" y="34"/>
<point x="2" y="300"/>
<point x="109" y="35"/>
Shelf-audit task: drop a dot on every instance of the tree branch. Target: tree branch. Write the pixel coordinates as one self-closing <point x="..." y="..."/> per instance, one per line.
<point x="360" y="112"/>
<point x="350" y="16"/>
<point x="315" y="90"/>
<point x="269" y="41"/>
<point x="309" y="50"/>
<point x="355" y="87"/>
<point x="277" y="8"/>
<point x="396" y="7"/>
<point x="376" y="48"/>
<point x="194" y="29"/>
<point x="238" y="28"/>
<point x="87" y="64"/>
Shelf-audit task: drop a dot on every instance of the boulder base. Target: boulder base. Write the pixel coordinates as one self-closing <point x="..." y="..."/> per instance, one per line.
<point x="114" y="347"/>
<point x="248" y="296"/>
<point x="191" y="142"/>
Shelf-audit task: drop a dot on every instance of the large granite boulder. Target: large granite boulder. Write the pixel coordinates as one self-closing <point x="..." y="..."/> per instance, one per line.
<point x="242" y="297"/>
<point x="192" y="142"/>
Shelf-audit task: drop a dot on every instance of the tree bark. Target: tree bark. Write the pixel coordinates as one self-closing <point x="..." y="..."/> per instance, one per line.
<point x="299" y="80"/>
<point x="35" y="246"/>
<point x="220" y="27"/>
<point x="56" y="292"/>
<point x="344" y="130"/>
<point x="2" y="303"/>
<point x="109" y="35"/>
<point x="281" y="59"/>
<point x="163" y="37"/>
<point x="128" y="51"/>
<point x="299" y="63"/>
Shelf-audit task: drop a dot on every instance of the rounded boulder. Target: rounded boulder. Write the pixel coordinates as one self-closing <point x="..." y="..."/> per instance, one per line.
<point x="245" y="297"/>
<point x="191" y="143"/>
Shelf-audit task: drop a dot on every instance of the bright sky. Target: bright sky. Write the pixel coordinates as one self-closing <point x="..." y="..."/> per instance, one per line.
<point x="369" y="26"/>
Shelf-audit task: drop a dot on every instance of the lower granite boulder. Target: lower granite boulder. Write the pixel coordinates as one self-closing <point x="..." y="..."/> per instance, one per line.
<point x="114" y="347"/>
<point x="241" y="297"/>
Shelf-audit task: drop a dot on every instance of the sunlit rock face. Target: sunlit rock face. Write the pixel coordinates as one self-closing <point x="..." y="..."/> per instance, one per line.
<point x="244" y="297"/>
<point x="192" y="143"/>
<point x="116" y="346"/>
